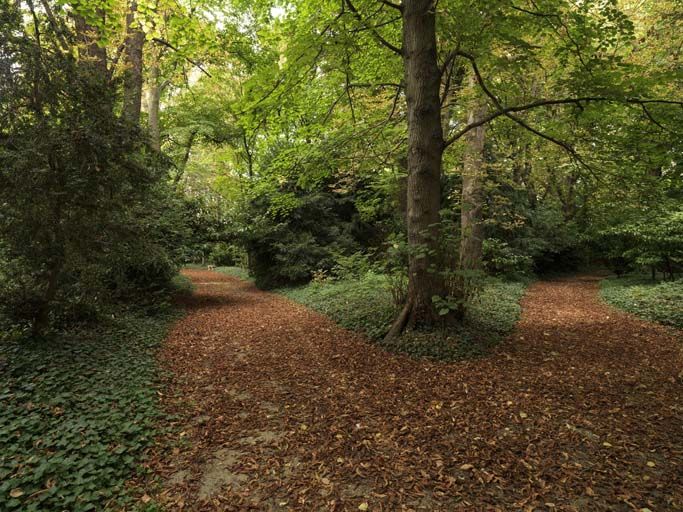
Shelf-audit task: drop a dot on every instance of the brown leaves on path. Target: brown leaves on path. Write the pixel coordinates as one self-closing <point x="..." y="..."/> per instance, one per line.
<point x="280" y="409"/>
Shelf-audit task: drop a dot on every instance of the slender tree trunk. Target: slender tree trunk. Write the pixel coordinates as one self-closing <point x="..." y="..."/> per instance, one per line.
<point x="153" y="97"/>
<point x="472" y="230"/>
<point x="186" y="158"/>
<point x="425" y="150"/>
<point x="132" y="82"/>
<point x="41" y="319"/>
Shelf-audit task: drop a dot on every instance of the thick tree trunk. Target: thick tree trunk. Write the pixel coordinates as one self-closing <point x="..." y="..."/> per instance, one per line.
<point x="472" y="232"/>
<point x="95" y="54"/>
<point x="425" y="150"/>
<point x="132" y="82"/>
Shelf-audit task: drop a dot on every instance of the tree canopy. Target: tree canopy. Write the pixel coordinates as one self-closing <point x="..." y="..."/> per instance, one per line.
<point x="441" y="140"/>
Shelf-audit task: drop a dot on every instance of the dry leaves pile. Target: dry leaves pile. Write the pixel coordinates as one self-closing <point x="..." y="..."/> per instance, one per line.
<point x="279" y="409"/>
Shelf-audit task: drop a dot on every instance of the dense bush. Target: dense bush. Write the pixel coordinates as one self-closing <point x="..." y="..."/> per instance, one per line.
<point x="501" y="259"/>
<point x="287" y="244"/>
<point x="654" y="242"/>
<point x="86" y="215"/>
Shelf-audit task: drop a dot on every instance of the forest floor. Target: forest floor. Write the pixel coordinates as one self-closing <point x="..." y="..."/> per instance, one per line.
<point x="277" y="408"/>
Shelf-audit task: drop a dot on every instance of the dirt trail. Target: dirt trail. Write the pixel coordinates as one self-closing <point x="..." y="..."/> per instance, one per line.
<point x="280" y="409"/>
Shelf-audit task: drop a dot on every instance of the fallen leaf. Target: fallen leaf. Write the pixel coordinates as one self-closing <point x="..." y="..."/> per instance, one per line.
<point x="363" y="506"/>
<point x="466" y="467"/>
<point x="16" y="493"/>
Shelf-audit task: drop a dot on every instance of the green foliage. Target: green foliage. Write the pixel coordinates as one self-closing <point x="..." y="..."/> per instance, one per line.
<point x="87" y="216"/>
<point x="235" y="272"/>
<point x="654" y="241"/>
<point x="77" y="415"/>
<point x="224" y="254"/>
<point x="182" y="285"/>
<point x="501" y="259"/>
<point x="491" y="314"/>
<point x="361" y="304"/>
<point x="657" y="301"/>
<point x="354" y="265"/>
<point x="365" y="304"/>
<point x="287" y="247"/>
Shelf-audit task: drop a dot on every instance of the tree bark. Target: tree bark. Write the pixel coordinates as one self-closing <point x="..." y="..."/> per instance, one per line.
<point x="425" y="151"/>
<point x="94" y="54"/>
<point x="471" y="228"/>
<point x="153" y="100"/>
<point x="132" y="81"/>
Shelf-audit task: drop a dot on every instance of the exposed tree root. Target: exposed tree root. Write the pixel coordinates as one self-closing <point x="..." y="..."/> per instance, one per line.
<point x="401" y="322"/>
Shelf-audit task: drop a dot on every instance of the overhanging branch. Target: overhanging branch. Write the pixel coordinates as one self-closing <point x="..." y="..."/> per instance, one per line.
<point x="165" y="43"/>
<point x="374" y="32"/>
<point x="509" y="111"/>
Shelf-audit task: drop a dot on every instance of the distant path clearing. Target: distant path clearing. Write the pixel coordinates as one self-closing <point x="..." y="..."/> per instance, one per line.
<point x="280" y="409"/>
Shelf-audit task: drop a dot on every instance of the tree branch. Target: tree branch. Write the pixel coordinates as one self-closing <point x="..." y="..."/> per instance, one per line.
<point x="508" y="111"/>
<point x="374" y="32"/>
<point x="175" y="49"/>
<point x="567" y="147"/>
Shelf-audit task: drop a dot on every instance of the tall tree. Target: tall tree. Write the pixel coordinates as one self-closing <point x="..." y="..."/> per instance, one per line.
<point x="132" y="82"/>
<point x="472" y="229"/>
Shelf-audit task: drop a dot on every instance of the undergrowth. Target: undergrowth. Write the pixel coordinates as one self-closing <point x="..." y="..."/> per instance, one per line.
<point x="77" y="413"/>
<point x="657" y="301"/>
<point x="235" y="272"/>
<point x="361" y="304"/>
<point x="364" y="304"/>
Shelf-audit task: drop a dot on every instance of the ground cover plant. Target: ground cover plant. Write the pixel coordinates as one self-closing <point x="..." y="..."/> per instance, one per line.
<point x="77" y="414"/>
<point x="659" y="301"/>
<point x="365" y="304"/>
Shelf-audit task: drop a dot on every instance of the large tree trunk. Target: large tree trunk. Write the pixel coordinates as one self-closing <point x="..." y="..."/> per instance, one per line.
<point x="94" y="54"/>
<point x="132" y="81"/>
<point x="425" y="151"/>
<point x="472" y="230"/>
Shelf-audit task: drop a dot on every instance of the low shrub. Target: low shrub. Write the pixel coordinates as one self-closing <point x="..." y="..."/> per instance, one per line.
<point x="657" y="301"/>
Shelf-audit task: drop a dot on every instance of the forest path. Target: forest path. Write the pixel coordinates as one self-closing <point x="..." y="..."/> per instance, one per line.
<point x="280" y="409"/>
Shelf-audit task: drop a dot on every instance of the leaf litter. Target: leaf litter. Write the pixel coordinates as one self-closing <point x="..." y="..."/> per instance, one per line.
<point x="579" y="409"/>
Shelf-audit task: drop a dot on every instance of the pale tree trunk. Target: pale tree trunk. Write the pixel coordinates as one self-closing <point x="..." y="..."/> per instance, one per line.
<point x="425" y="150"/>
<point x="472" y="230"/>
<point x="132" y="81"/>
<point x="153" y="100"/>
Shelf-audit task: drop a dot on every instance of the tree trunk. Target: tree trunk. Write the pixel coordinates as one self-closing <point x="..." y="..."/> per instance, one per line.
<point x="94" y="54"/>
<point x="425" y="150"/>
<point x="472" y="230"/>
<point x="132" y="81"/>
<point x="153" y="96"/>
<point x="41" y="319"/>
